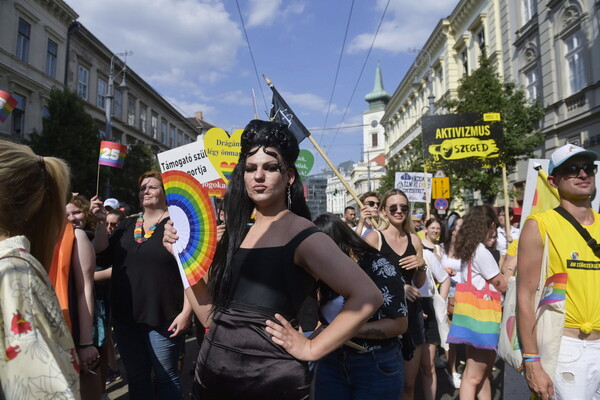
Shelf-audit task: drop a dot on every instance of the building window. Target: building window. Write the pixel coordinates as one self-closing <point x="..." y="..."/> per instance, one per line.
<point x="131" y="110"/>
<point x="528" y="10"/>
<point x="143" y="114"/>
<point x="154" y="125"/>
<point x="464" y="59"/>
<point x="172" y="137"/>
<point x="374" y="141"/>
<point x="481" y="40"/>
<point x="83" y="82"/>
<point x="102" y="92"/>
<point x="531" y="83"/>
<point x="179" y="138"/>
<point x="18" y="116"/>
<point x="23" y="37"/>
<point x="118" y="104"/>
<point x="51" y="57"/>
<point x="574" y="62"/>
<point x="163" y="131"/>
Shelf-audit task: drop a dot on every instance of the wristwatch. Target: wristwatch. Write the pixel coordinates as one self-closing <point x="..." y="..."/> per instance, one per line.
<point x="422" y="268"/>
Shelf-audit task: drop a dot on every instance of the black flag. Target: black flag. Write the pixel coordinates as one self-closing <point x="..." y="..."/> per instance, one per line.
<point x="282" y="113"/>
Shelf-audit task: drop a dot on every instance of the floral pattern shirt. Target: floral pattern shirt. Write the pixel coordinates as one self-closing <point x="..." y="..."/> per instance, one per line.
<point x="38" y="359"/>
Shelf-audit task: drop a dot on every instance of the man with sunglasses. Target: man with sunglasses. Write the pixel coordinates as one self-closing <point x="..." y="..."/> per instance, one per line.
<point x="368" y="212"/>
<point x="573" y="264"/>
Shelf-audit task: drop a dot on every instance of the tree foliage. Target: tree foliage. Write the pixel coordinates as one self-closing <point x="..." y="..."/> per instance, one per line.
<point x="483" y="91"/>
<point x="71" y="134"/>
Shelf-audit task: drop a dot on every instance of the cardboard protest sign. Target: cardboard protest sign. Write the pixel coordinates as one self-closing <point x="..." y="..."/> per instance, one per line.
<point x="461" y="141"/>
<point x="413" y="185"/>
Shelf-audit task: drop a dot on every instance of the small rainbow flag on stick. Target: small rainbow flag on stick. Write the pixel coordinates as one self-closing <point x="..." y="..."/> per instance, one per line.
<point x="7" y="104"/>
<point x="112" y="154"/>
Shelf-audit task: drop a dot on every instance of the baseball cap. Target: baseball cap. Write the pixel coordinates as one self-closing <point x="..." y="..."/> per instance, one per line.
<point x="111" y="203"/>
<point x="567" y="151"/>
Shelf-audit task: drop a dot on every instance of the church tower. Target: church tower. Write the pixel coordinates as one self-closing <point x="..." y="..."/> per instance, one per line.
<point x="373" y="137"/>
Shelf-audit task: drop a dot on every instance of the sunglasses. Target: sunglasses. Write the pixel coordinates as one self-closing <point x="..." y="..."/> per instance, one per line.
<point x="573" y="170"/>
<point x="394" y="208"/>
<point x="372" y="203"/>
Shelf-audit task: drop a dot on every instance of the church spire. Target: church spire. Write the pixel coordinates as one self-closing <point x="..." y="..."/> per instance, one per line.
<point x="378" y="98"/>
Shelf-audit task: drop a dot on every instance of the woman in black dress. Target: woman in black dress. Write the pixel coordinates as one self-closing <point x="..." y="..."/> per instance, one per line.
<point x="397" y="241"/>
<point x="264" y="274"/>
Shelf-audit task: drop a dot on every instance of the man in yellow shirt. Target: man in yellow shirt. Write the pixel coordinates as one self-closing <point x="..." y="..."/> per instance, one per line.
<point x="574" y="270"/>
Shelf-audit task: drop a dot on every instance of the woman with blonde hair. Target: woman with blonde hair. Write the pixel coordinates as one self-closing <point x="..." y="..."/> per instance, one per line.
<point x="400" y="245"/>
<point x="38" y="353"/>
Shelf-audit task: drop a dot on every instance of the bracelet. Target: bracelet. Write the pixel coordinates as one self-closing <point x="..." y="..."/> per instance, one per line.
<point x="531" y="357"/>
<point x="83" y="346"/>
<point x="422" y="268"/>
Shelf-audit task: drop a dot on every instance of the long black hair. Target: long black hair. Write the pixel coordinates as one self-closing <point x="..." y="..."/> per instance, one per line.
<point x="239" y="207"/>
<point x="347" y="240"/>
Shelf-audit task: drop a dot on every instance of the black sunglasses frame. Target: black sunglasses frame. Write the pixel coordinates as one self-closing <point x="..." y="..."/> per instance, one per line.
<point x="372" y="203"/>
<point x="394" y="208"/>
<point x="573" y="170"/>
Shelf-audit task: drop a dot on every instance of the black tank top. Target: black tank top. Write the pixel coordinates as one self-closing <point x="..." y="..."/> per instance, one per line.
<point x="394" y="258"/>
<point x="269" y="280"/>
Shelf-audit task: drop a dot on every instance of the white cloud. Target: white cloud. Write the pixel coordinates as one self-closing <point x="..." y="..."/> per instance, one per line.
<point x="262" y="12"/>
<point x="406" y="25"/>
<point x="166" y="35"/>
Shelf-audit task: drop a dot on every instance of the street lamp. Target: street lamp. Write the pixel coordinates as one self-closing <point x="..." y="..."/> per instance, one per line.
<point x="110" y="92"/>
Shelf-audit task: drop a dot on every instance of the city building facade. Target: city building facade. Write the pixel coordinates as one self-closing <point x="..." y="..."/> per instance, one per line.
<point x="548" y="47"/>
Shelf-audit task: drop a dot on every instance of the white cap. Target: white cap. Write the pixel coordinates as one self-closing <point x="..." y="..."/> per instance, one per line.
<point x="112" y="203"/>
<point x="567" y="151"/>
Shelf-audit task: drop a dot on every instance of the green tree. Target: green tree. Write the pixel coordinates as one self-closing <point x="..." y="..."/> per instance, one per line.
<point x="412" y="163"/>
<point x="71" y="134"/>
<point x="122" y="183"/>
<point x="483" y="91"/>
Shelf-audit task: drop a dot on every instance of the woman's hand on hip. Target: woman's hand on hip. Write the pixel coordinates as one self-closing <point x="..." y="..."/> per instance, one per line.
<point x="293" y="341"/>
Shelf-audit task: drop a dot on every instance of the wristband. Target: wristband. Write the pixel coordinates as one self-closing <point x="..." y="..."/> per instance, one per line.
<point x="83" y="346"/>
<point x="531" y="357"/>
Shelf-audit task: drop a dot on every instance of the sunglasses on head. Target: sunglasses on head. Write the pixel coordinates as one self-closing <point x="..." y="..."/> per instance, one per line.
<point x="573" y="170"/>
<point x="372" y="203"/>
<point x="394" y="208"/>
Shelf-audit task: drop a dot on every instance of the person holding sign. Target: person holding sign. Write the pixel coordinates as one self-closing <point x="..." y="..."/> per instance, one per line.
<point x="261" y="292"/>
<point x="368" y="212"/>
<point x="150" y="313"/>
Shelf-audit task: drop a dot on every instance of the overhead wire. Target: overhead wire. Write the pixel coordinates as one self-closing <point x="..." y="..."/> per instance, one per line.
<point x="361" y="71"/>
<point x="251" y="54"/>
<point x="337" y="71"/>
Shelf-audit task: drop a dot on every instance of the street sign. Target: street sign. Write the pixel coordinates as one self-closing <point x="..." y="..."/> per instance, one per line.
<point x="440" y="188"/>
<point x="439" y="174"/>
<point x="440" y="204"/>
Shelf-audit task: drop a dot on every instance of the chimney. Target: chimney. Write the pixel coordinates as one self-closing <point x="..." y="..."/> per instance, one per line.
<point x="198" y="115"/>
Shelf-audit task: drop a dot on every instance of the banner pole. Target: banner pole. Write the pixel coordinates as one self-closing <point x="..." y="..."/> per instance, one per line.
<point x="340" y="177"/>
<point x="98" y="180"/>
<point x="506" y="213"/>
<point x="427" y="199"/>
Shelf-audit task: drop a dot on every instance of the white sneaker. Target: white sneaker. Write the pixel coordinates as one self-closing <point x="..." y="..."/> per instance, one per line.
<point x="456" y="380"/>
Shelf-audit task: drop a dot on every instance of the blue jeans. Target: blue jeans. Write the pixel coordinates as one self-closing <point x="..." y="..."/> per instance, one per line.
<point x="145" y="349"/>
<point x="347" y="374"/>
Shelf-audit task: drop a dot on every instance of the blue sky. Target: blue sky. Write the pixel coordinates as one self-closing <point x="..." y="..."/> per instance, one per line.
<point x="194" y="53"/>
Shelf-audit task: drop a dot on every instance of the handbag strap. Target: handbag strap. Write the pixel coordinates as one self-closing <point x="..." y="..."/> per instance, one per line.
<point x="470" y="276"/>
<point x="582" y="231"/>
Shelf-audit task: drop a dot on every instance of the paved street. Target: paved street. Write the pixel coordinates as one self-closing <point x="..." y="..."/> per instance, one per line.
<point x="506" y="383"/>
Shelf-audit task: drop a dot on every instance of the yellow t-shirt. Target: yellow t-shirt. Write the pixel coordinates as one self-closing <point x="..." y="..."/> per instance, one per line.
<point x="512" y="249"/>
<point x="569" y="253"/>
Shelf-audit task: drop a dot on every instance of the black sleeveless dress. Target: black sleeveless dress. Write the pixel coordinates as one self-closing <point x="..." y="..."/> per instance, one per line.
<point x="416" y="324"/>
<point x="238" y="359"/>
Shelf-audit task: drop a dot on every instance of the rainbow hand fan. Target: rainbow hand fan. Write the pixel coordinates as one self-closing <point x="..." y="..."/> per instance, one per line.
<point x="194" y="218"/>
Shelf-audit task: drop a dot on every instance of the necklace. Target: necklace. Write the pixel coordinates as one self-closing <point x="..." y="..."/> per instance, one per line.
<point x="139" y="227"/>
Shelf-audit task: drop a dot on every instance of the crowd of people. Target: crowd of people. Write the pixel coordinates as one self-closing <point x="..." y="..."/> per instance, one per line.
<point x="347" y="307"/>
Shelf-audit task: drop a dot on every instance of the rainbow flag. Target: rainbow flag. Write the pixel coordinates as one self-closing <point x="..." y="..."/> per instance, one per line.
<point x="7" y="105"/>
<point x="112" y="154"/>
<point x="555" y="289"/>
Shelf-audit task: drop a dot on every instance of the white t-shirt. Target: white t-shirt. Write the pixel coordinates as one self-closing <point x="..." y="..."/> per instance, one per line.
<point x="453" y="264"/>
<point x="484" y="268"/>
<point x="501" y="242"/>
<point x="435" y="271"/>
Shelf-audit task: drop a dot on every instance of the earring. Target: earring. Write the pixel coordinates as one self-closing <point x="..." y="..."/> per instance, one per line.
<point x="289" y="197"/>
